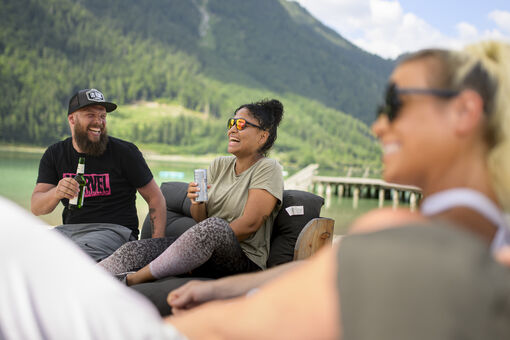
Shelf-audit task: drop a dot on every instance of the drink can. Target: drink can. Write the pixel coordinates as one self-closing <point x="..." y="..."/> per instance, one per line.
<point x="201" y="180"/>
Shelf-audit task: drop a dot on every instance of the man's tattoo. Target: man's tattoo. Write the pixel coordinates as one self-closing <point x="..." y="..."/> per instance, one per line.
<point x="152" y="217"/>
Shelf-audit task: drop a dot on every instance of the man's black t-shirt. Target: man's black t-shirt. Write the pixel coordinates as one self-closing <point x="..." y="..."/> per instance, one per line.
<point x="112" y="180"/>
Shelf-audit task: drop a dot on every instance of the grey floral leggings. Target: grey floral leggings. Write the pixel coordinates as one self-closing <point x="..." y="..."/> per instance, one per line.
<point x="209" y="247"/>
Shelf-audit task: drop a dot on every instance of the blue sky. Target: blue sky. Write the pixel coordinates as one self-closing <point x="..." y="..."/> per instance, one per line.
<point x="391" y="27"/>
<point x="443" y="14"/>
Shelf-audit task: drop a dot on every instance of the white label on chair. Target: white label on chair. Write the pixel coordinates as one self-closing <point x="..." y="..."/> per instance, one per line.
<point x="295" y="210"/>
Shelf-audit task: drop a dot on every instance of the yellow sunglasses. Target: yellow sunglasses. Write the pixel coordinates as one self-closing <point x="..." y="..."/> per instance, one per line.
<point x="240" y="124"/>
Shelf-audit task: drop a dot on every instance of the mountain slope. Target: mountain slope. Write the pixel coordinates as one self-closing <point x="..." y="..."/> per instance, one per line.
<point x="286" y="50"/>
<point x="273" y="44"/>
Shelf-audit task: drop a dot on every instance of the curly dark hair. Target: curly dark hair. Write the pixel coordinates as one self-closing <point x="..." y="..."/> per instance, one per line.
<point x="269" y="114"/>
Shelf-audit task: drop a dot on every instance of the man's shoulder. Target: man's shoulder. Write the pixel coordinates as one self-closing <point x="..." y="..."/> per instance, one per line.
<point x="118" y="143"/>
<point x="66" y="141"/>
<point x="60" y="145"/>
<point x="125" y="154"/>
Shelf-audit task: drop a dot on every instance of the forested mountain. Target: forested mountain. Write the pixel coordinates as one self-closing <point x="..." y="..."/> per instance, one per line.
<point x="200" y="59"/>
<point x="268" y="44"/>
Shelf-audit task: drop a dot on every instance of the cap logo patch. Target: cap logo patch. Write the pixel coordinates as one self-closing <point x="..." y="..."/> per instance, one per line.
<point x="95" y="95"/>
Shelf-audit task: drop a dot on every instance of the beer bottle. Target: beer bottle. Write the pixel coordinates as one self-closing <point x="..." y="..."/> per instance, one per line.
<point x="77" y="202"/>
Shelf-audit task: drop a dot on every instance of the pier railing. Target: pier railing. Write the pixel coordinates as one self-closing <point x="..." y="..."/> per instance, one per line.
<point x="355" y="187"/>
<point x="303" y="179"/>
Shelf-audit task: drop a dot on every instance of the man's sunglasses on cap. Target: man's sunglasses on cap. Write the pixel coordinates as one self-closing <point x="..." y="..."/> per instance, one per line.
<point x="392" y="104"/>
<point x="240" y="124"/>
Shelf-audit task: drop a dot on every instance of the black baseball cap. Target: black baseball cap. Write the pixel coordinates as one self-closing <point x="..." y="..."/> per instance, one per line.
<point x="88" y="97"/>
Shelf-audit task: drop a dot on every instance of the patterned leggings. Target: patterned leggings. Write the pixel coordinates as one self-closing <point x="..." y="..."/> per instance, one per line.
<point x="209" y="247"/>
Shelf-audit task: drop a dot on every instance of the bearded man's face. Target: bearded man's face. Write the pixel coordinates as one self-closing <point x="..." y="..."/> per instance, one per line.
<point x="90" y="131"/>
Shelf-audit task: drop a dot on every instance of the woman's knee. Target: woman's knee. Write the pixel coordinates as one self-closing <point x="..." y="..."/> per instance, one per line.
<point x="127" y="248"/>
<point x="216" y="224"/>
<point x="213" y="232"/>
<point x="142" y="246"/>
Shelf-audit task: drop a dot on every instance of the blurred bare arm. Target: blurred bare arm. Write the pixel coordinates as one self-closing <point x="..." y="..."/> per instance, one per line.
<point x="195" y="293"/>
<point x="301" y="304"/>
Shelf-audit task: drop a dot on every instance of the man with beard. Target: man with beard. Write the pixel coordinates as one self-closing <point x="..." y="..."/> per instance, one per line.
<point x="114" y="171"/>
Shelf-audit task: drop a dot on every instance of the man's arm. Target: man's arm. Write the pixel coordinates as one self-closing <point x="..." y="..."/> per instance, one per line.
<point x="45" y="196"/>
<point x="301" y="304"/>
<point x="157" y="208"/>
<point x="195" y="293"/>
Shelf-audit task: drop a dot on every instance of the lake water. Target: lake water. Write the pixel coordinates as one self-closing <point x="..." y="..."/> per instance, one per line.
<point x="18" y="174"/>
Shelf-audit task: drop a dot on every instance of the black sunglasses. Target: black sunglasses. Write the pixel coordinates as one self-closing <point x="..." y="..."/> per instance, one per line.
<point x="392" y="104"/>
<point x="240" y="124"/>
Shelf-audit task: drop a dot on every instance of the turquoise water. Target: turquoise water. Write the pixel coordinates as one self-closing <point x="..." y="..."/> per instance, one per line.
<point x="18" y="174"/>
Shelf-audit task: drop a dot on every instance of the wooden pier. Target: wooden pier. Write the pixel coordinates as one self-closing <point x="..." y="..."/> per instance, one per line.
<point x="355" y="187"/>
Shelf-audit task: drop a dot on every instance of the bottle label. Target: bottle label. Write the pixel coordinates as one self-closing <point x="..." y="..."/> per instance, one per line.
<point x="81" y="169"/>
<point x="77" y="201"/>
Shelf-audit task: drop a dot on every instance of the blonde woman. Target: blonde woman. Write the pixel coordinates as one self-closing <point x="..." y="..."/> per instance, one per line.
<point x="445" y="127"/>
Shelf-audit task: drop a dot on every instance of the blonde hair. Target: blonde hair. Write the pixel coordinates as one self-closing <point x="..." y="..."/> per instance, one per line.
<point x="485" y="68"/>
<point x="494" y="57"/>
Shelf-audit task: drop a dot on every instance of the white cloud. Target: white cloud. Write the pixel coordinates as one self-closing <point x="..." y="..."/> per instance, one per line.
<point x="466" y="30"/>
<point x="468" y="33"/>
<point x="384" y="12"/>
<point x="501" y="18"/>
<point x="349" y="14"/>
<point x="389" y="31"/>
<point x="384" y="28"/>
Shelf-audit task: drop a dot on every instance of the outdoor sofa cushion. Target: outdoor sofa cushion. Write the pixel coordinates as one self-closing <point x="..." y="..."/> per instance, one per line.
<point x="289" y="222"/>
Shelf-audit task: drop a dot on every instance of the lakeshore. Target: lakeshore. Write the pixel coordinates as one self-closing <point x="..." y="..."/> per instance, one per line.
<point x="19" y="166"/>
<point x="148" y="154"/>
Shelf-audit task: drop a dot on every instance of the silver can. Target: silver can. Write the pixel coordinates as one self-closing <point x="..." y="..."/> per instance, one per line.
<point x="201" y="180"/>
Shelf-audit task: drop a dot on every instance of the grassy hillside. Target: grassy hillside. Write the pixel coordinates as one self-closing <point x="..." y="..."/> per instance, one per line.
<point x="309" y="133"/>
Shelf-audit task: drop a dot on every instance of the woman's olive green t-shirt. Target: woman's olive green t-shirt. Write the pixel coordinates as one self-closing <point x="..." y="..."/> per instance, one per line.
<point x="229" y="192"/>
